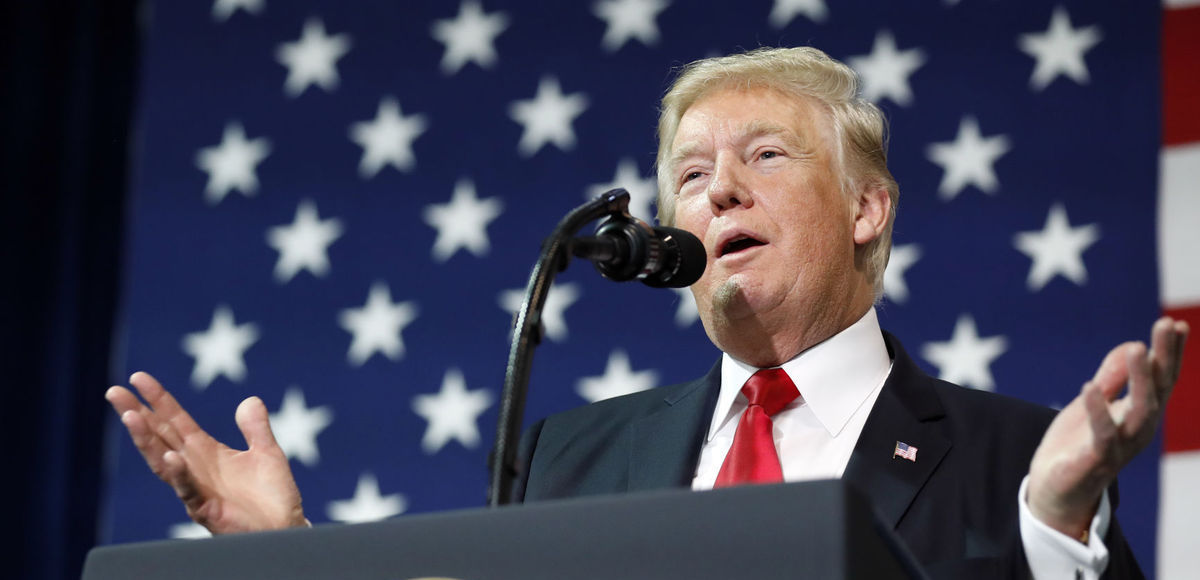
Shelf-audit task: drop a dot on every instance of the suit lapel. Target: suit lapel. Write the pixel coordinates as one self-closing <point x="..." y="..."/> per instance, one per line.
<point x="908" y="411"/>
<point x="665" y="444"/>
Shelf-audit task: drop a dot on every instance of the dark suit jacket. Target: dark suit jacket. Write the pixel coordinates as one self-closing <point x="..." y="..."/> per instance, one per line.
<point x="955" y="506"/>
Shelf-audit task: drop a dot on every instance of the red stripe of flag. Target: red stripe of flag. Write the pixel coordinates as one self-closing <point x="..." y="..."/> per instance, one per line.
<point x="1181" y="75"/>
<point x="1181" y="125"/>
<point x="1181" y="429"/>
<point x="1177" y="523"/>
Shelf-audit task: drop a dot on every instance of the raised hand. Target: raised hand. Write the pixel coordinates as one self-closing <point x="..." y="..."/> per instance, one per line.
<point x="1097" y="434"/>
<point x="223" y="489"/>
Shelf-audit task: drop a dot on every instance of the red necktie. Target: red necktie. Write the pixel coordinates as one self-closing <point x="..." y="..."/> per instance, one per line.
<point x="752" y="457"/>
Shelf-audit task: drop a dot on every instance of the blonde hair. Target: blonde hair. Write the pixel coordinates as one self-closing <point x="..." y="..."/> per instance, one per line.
<point x="805" y="72"/>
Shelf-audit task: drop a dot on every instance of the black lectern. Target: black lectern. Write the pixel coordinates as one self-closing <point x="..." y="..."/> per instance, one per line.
<point x="819" y="530"/>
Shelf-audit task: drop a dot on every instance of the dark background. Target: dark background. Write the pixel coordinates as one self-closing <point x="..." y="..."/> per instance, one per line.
<point x="68" y="79"/>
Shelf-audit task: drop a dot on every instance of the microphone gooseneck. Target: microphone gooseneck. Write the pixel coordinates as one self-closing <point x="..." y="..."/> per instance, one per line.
<point x="624" y="248"/>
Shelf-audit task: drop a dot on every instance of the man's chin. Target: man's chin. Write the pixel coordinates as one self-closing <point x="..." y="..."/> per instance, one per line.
<point x="732" y="300"/>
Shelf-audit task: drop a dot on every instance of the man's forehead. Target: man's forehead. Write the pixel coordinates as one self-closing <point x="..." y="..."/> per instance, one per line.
<point x="754" y="114"/>
<point x="692" y="138"/>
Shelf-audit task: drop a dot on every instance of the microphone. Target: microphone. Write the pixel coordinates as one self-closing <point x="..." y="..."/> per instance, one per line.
<point x="625" y="248"/>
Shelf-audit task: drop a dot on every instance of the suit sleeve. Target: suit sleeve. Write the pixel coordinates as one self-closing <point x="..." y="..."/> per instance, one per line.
<point x="524" y="458"/>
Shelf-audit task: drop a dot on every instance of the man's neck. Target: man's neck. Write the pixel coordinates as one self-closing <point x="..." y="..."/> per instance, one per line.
<point x="749" y="341"/>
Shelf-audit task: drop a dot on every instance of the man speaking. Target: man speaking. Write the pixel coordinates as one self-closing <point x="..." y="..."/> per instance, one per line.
<point x="774" y="161"/>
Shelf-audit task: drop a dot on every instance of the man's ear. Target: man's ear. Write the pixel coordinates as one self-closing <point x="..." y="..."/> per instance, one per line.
<point x="872" y="211"/>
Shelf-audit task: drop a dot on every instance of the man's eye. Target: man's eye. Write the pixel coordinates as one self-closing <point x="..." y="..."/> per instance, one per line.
<point x="691" y="176"/>
<point x="768" y="155"/>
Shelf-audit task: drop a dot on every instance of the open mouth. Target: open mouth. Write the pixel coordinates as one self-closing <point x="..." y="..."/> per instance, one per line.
<point x="739" y="244"/>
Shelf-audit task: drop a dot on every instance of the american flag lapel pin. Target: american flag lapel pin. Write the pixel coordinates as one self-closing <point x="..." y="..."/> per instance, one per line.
<point x="906" y="451"/>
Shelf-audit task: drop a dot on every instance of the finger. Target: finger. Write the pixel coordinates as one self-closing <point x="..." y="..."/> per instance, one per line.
<point x="1179" y="332"/>
<point x="1110" y="378"/>
<point x="163" y="415"/>
<point x="122" y="400"/>
<point x="180" y="478"/>
<point x="1101" y="421"/>
<point x="1169" y="357"/>
<point x="150" y="435"/>
<point x="255" y="423"/>
<point x="1143" y="399"/>
<point x="1163" y="349"/>
<point x="147" y="442"/>
<point x="165" y="406"/>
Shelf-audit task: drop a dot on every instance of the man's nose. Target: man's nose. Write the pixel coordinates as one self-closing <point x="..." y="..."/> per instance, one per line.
<point x="728" y="187"/>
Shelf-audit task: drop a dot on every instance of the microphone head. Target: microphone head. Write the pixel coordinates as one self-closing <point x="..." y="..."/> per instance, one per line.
<point x="685" y="256"/>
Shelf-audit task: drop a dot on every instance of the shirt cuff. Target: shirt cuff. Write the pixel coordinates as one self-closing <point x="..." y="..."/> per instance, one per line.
<point x="1052" y="554"/>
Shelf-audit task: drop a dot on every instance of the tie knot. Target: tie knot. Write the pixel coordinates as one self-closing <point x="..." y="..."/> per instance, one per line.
<point x="770" y="389"/>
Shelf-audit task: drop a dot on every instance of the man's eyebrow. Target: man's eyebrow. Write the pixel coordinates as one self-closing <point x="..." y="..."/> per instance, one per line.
<point x="682" y="152"/>
<point x="764" y="128"/>
<point x="747" y="131"/>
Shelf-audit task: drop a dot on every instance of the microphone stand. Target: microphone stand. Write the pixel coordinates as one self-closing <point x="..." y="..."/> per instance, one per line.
<point x="554" y="258"/>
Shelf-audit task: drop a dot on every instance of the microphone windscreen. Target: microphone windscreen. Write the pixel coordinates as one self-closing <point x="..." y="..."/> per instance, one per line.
<point x="689" y="256"/>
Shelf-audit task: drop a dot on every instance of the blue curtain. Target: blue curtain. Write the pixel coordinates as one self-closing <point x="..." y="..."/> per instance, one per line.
<point x="67" y="78"/>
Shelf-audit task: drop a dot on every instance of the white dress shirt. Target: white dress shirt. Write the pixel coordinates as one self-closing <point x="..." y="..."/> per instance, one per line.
<point x="839" y="380"/>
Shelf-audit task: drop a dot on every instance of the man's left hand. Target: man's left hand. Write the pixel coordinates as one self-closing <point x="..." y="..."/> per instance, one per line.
<point x="1097" y="434"/>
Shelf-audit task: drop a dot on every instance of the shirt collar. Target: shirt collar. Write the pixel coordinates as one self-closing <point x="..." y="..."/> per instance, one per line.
<point x="834" y="377"/>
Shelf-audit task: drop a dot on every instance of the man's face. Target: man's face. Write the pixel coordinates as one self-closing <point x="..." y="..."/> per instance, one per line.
<point x="758" y="184"/>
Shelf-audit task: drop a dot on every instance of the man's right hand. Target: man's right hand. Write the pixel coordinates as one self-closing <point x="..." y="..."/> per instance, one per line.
<point x="223" y="489"/>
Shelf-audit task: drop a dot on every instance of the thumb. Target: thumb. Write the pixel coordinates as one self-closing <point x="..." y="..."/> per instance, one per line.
<point x="255" y="424"/>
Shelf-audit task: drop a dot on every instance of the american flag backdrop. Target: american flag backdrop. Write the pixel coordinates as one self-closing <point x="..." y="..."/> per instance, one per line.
<point x="336" y="206"/>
